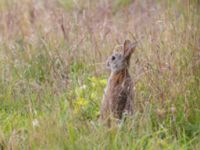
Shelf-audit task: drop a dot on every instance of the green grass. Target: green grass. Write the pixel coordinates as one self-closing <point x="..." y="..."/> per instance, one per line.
<point x="52" y="74"/>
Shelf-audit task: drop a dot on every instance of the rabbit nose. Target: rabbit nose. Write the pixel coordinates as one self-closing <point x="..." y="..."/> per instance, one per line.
<point x="113" y="58"/>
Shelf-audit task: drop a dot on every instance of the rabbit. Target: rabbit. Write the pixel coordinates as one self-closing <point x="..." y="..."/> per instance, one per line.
<point x="118" y="94"/>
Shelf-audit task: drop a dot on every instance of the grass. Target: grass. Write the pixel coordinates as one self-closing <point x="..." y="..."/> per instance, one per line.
<point x="52" y="73"/>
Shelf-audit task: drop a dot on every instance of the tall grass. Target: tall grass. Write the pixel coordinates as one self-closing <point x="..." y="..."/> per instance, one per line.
<point x="52" y="67"/>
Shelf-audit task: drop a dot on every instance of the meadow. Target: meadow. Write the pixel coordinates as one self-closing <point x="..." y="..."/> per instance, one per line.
<point x="52" y="73"/>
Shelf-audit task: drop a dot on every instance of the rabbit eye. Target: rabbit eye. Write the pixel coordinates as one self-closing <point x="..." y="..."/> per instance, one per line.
<point x="113" y="58"/>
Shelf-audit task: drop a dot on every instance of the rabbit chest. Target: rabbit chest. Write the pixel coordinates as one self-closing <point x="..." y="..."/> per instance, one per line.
<point x="118" y="92"/>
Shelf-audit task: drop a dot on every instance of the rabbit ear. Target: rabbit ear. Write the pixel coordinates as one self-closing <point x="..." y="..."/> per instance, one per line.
<point x="128" y="48"/>
<point x="126" y="45"/>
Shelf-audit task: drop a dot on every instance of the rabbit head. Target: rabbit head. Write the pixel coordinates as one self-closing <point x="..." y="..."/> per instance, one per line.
<point x="120" y="60"/>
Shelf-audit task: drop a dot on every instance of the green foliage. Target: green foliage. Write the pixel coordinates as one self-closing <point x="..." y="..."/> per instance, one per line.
<point x="67" y="4"/>
<point x="88" y="96"/>
<point x="120" y="4"/>
<point x="51" y="86"/>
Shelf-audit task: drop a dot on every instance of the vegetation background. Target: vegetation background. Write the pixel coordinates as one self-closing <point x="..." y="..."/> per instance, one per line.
<point x="52" y="73"/>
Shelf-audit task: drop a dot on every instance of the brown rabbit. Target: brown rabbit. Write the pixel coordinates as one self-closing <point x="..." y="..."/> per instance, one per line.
<point x="118" y="96"/>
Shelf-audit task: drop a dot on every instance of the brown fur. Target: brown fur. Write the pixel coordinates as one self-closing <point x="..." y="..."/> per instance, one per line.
<point x="118" y="96"/>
